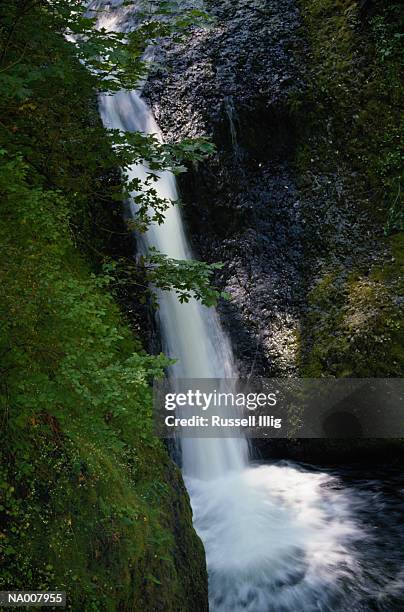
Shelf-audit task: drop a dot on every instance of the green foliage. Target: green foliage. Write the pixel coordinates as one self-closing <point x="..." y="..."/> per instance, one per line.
<point x="89" y="500"/>
<point x="76" y="408"/>
<point x="147" y="149"/>
<point x="388" y="35"/>
<point x="187" y="278"/>
<point x="48" y="118"/>
<point x="114" y="58"/>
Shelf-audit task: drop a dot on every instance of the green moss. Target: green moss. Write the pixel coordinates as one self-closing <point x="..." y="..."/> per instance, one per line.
<point x="391" y="271"/>
<point x="356" y="93"/>
<point x="82" y="522"/>
<point x="350" y="127"/>
<point x="353" y="327"/>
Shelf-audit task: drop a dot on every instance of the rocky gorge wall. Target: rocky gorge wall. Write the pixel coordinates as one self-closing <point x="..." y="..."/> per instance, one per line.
<point x="313" y="279"/>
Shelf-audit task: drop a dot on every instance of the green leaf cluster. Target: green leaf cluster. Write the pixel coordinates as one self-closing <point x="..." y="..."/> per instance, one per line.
<point x="190" y="279"/>
<point x="48" y="81"/>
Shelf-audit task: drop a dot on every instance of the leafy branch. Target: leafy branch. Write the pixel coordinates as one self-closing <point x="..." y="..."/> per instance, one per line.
<point x="154" y="272"/>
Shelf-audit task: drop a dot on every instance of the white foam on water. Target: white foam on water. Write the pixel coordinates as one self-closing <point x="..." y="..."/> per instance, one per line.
<point x="276" y="537"/>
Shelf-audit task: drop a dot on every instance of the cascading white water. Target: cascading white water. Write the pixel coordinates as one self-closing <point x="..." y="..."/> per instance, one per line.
<point x="190" y="332"/>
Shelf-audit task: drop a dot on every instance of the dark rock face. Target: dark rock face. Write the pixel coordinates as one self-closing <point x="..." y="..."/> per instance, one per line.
<point x="278" y="231"/>
<point x="262" y="271"/>
<point x="233" y="81"/>
<point x="243" y="62"/>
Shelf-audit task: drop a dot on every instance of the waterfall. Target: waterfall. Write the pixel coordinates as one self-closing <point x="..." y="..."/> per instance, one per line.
<point x="277" y="537"/>
<point x="261" y="526"/>
<point x="190" y="332"/>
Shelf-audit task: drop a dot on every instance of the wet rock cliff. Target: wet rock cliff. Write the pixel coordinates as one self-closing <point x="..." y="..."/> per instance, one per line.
<point x="280" y="203"/>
